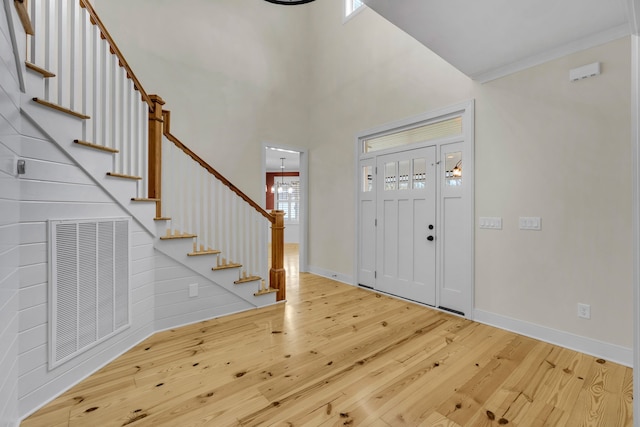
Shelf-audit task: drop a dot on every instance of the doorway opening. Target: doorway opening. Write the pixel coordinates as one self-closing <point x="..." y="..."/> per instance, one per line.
<point x="286" y="188"/>
<point x="414" y="211"/>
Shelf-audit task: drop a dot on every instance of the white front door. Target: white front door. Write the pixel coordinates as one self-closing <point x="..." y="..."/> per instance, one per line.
<point x="406" y="229"/>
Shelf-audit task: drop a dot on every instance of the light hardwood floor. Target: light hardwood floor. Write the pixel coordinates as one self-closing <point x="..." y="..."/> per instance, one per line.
<point x="337" y="355"/>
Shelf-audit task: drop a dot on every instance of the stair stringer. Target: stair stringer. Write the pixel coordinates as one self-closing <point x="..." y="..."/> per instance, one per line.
<point x="177" y="249"/>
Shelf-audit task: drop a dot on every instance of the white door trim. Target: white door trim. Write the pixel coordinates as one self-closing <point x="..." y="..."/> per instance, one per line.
<point x="466" y="110"/>
<point x="635" y="147"/>
<point x="304" y="189"/>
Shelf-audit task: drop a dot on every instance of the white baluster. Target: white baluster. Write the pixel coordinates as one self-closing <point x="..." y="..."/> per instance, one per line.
<point x="119" y="108"/>
<point x="217" y="218"/>
<point x="114" y="100"/>
<point x="87" y="74"/>
<point x="31" y="39"/>
<point x="234" y="228"/>
<point x="105" y="89"/>
<point x="49" y="38"/>
<point x="62" y="49"/>
<point x="197" y="206"/>
<point x="96" y="132"/>
<point x="144" y="143"/>
<point x="73" y="54"/>
<point x="227" y="209"/>
<point x="131" y="120"/>
<point x="167" y="182"/>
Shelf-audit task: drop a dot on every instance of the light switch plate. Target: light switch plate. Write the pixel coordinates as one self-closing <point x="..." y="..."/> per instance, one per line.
<point x="530" y="223"/>
<point x="493" y="223"/>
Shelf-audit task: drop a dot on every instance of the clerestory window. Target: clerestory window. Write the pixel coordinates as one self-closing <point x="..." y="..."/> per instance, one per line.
<point x="351" y="6"/>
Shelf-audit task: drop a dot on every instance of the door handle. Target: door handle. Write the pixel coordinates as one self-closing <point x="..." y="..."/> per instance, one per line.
<point x="430" y="238"/>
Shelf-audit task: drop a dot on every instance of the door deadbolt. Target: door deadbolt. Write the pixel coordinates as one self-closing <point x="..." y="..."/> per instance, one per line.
<point x="430" y="226"/>
<point x="430" y="238"/>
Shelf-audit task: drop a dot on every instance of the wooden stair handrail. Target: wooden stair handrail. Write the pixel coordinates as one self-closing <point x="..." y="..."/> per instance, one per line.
<point x="114" y="49"/>
<point x="215" y="173"/>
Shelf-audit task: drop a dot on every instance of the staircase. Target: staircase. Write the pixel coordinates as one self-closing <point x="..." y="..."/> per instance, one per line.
<point x="81" y="92"/>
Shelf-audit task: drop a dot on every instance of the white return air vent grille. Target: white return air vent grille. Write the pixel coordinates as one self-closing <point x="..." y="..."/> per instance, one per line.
<point x="89" y="294"/>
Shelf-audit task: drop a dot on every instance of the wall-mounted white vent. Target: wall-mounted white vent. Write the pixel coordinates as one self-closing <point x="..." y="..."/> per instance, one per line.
<point x="584" y="72"/>
<point x="89" y="294"/>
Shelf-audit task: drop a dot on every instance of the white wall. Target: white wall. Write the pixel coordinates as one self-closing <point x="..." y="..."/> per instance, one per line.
<point x="544" y="147"/>
<point x="233" y="73"/>
<point x="238" y="73"/>
<point x="10" y="125"/>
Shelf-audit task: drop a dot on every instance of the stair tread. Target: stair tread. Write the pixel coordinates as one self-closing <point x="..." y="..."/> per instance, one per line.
<point x="247" y="279"/>
<point x="122" y="175"/>
<point x="227" y="266"/>
<point x="143" y="199"/>
<point x="265" y="291"/>
<point x="61" y="108"/>
<point x="162" y="218"/>
<point x="33" y="67"/>
<point x="208" y="252"/>
<point x="179" y="236"/>
<point x="96" y="146"/>
<point x="23" y="14"/>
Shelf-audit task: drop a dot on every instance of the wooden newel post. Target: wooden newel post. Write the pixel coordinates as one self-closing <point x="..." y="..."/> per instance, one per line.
<point x="155" y="151"/>
<point x="277" y="275"/>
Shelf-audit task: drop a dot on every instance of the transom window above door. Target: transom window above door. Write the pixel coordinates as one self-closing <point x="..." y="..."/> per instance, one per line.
<point x="427" y="132"/>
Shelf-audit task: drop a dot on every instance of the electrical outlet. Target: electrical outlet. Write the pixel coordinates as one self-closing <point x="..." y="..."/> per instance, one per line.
<point x="193" y="290"/>
<point x="584" y="311"/>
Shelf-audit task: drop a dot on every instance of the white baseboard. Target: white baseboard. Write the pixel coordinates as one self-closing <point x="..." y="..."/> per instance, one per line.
<point x="607" y="351"/>
<point x="331" y="275"/>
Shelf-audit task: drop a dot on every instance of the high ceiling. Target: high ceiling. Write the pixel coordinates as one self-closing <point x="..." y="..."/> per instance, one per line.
<point x="491" y="38"/>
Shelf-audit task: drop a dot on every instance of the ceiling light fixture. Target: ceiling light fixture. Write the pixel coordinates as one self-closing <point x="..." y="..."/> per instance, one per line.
<point x="289" y="2"/>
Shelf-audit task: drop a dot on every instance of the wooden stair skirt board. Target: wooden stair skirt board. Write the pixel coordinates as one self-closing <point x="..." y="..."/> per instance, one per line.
<point x="208" y="252"/>
<point x="178" y="236"/>
<point x="264" y="292"/>
<point x="61" y="109"/>
<point x="226" y="266"/>
<point x="33" y="67"/>
<point x="247" y="279"/>
<point x="123" y="176"/>
<point x="96" y="147"/>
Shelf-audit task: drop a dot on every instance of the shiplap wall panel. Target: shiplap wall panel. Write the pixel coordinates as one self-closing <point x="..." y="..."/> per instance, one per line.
<point x="47" y="171"/>
<point x="43" y="191"/>
<point x="174" y="307"/>
<point x="32" y="338"/>
<point x="10" y="127"/>
<point x="32" y="232"/>
<point x="34" y="295"/>
<point x="32" y="316"/>
<point x="7" y="258"/>
<point x="35" y="253"/>
<point x="37" y="148"/>
<point x="32" y="359"/>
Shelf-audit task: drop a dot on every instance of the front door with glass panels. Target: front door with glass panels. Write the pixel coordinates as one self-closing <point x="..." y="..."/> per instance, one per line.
<point x="406" y="229"/>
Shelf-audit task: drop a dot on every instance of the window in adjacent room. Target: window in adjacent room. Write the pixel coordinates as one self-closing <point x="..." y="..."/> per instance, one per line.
<point x="288" y="197"/>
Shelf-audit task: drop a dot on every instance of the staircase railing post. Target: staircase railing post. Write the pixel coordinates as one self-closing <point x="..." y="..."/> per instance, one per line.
<point x="155" y="152"/>
<point x="277" y="274"/>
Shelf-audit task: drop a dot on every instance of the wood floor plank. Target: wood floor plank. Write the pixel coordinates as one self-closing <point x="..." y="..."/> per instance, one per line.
<point x="337" y="355"/>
